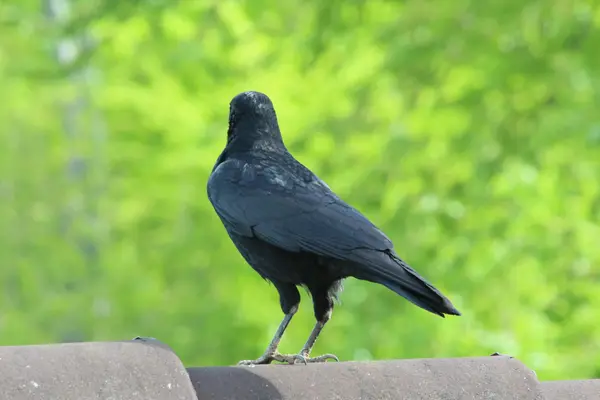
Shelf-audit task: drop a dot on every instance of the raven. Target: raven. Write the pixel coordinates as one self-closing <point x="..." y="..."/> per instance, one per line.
<point x="294" y="230"/>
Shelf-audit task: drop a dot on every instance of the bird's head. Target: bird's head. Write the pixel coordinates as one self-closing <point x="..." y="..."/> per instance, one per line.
<point x="252" y="119"/>
<point x="251" y="103"/>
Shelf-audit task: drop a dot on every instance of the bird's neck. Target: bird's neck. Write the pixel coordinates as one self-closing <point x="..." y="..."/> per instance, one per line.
<point x="255" y="137"/>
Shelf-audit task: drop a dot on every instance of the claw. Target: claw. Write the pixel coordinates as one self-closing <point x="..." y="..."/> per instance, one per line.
<point x="259" y="361"/>
<point x="322" y="358"/>
<point x="268" y="358"/>
<point x="288" y="359"/>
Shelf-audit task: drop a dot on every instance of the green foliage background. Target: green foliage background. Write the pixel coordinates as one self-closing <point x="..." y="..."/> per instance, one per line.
<point x="469" y="131"/>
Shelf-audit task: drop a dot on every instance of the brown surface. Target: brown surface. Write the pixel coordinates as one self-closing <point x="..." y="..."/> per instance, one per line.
<point x="495" y="378"/>
<point x="572" y="390"/>
<point x="89" y="371"/>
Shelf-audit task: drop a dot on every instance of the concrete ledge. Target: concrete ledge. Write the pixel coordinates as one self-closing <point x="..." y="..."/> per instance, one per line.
<point x="89" y="371"/>
<point x="572" y="390"/>
<point x="496" y="378"/>
<point x="147" y="369"/>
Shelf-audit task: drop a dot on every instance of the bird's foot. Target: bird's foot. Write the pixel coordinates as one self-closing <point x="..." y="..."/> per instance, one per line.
<point x="319" y="359"/>
<point x="267" y="358"/>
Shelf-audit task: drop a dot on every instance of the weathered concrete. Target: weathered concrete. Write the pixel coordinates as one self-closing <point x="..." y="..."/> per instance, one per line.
<point x="89" y="371"/>
<point x="147" y="369"/>
<point x="572" y="390"/>
<point x="495" y="378"/>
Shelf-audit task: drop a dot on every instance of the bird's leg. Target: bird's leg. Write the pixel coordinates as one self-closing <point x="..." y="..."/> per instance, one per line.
<point x="271" y="354"/>
<point x="305" y="352"/>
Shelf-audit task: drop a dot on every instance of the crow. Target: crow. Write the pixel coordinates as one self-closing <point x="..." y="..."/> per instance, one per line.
<point x="295" y="231"/>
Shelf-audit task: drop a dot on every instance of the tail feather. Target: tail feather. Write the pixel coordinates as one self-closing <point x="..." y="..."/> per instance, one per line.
<point x="392" y="272"/>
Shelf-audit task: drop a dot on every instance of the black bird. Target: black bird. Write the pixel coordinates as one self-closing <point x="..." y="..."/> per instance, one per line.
<point x="293" y="230"/>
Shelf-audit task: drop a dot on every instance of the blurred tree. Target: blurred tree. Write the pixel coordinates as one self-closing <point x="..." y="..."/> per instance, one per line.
<point x="468" y="131"/>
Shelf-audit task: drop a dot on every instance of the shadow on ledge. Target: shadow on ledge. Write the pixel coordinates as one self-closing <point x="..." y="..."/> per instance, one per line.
<point x="235" y="383"/>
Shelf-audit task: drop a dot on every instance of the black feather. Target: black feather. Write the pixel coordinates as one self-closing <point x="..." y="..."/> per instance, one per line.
<point x="291" y="228"/>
